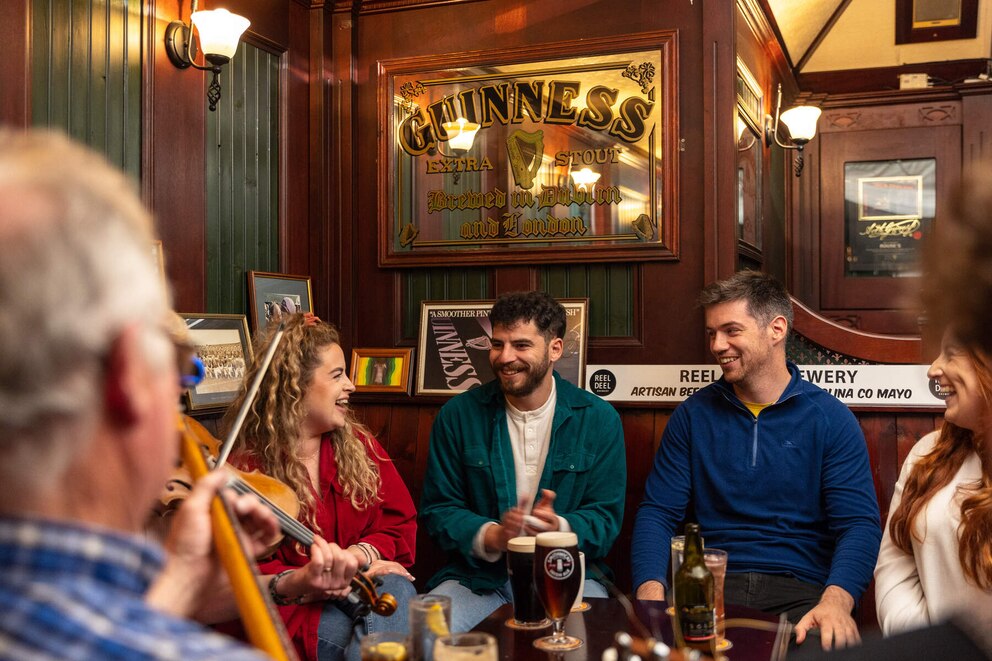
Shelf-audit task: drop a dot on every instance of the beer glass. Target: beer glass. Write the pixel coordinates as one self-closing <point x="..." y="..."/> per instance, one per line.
<point x="557" y="576"/>
<point x="384" y="646"/>
<point x="471" y="646"/>
<point x="528" y="613"/>
<point x="716" y="562"/>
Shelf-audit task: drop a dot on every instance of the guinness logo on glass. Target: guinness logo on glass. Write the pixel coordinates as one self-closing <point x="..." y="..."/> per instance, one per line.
<point x="559" y="564"/>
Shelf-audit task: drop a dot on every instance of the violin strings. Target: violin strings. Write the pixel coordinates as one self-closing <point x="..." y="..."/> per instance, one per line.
<point x="289" y="525"/>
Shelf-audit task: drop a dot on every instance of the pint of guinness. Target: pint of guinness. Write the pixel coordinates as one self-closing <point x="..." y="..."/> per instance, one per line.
<point x="528" y="612"/>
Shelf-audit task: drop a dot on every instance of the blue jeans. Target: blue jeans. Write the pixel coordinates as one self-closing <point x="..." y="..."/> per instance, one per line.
<point x="339" y="634"/>
<point x="469" y="608"/>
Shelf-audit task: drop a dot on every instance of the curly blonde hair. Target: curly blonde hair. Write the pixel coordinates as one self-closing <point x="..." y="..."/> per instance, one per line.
<point x="270" y="434"/>
<point x="935" y="470"/>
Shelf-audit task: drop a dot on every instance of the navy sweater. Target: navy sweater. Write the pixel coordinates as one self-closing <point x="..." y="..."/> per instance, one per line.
<point x="789" y="492"/>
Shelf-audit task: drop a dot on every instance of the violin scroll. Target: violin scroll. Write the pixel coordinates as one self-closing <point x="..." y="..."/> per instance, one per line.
<point x="363" y="589"/>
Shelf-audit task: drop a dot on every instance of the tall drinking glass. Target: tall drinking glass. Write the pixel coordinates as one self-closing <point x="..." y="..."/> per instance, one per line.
<point x="716" y="562"/>
<point x="430" y="617"/>
<point x="528" y="612"/>
<point x="557" y="576"/>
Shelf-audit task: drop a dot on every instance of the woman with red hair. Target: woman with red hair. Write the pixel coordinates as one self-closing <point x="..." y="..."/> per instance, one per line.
<point x="936" y="554"/>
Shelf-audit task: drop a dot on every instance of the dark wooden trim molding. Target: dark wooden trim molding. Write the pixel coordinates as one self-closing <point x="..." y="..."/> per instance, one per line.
<point x="887" y="78"/>
<point x="857" y="344"/>
<point x="15" y="63"/>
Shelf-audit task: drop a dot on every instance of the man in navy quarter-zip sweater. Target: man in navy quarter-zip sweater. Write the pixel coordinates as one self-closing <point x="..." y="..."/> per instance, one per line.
<point x="775" y="471"/>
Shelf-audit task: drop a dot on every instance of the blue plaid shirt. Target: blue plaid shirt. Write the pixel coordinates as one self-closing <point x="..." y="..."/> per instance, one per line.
<point x="71" y="592"/>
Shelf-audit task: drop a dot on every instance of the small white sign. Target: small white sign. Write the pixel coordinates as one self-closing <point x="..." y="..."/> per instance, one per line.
<point x="856" y="385"/>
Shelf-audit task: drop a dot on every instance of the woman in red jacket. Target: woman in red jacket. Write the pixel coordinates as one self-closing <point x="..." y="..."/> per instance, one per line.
<point x="300" y="430"/>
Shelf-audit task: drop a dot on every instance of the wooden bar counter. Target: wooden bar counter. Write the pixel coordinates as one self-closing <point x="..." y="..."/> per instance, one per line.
<point x="598" y="626"/>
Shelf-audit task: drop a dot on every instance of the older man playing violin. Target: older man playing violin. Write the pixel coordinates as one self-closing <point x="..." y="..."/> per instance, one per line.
<point x="88" y="385"/>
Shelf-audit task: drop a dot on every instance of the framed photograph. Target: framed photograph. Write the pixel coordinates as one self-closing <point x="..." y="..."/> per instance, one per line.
<point x="223" y="344"/>
<point x="275" y="294"/>
<point x="381" y="370"/>
<point x="454" y="342"/>
<point x="890" y="209"/>
<point x="920" y="21"/>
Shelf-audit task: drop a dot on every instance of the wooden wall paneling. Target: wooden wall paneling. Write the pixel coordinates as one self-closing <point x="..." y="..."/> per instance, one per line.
<point x="839" y="291"/>
<point x="976" y="115"/>
<point x="849" y="81"/>
<point x="719" y="147"/>
<point x="15" y="63"/>
<point x="173" y="139"/>
<point x="639" y="428"/>
<point x="871" y="347"/>
<point x="421" y="30"/>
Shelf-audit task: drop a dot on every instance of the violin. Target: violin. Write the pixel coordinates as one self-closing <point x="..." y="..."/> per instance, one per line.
<point x="282" y="501"/>
<point x="263" y="625"/>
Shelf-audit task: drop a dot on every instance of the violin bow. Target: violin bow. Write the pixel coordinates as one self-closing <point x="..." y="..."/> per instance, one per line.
<point x="384" y="604"/>
<point x="256" y="383"/>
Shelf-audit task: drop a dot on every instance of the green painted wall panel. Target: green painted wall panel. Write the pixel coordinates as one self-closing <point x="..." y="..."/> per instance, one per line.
<point x="242" y="175"/>
<point x="439" y="285"/>
<point x="86" y="74"/>
<point x="609" y="288"/>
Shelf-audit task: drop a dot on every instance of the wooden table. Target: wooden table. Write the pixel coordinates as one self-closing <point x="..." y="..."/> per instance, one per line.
<point x="598" y="626"/>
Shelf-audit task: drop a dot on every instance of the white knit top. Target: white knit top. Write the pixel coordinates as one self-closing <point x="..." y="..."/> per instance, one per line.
<point x="927" y="586"/>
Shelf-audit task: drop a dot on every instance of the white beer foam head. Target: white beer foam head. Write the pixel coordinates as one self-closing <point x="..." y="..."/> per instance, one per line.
<point x="521" y="545"/>
<point x="557" y="538"/>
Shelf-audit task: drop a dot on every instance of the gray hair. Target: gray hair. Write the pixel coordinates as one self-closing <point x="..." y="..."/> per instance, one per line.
<point x="76" y="268"/>
<point x="766" y="297"/>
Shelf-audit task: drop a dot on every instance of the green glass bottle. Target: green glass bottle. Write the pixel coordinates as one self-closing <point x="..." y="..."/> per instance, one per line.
<point x="695" y="605"/>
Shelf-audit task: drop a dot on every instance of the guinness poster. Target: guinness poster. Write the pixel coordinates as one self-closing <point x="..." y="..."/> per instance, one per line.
<point x="572" y="157"/>
<point x="455" y="340"/>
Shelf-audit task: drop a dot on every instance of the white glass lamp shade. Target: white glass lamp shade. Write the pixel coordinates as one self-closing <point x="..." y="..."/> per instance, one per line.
<point x="219" y="31"/>
<point x="585" y="177"/>
<point x="461" y="133"/>
<point x="801" y="122"/>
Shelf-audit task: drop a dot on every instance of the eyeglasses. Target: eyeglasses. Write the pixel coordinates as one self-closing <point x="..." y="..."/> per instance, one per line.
<point x="191" y="374"/>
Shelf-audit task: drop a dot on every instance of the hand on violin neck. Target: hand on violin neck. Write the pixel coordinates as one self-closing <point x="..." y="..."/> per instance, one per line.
<point x="327" y="575"/>
<point x="191" y="569"/>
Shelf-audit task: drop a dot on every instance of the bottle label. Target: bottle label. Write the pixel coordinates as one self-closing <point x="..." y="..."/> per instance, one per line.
<point x="698" y="624"/>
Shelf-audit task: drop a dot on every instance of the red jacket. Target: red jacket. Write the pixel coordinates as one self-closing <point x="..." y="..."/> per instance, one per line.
<point x="389" y="525"/>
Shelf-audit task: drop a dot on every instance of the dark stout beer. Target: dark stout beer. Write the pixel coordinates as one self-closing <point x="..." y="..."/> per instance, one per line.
<point x="695" y="608"/>
<point x="527" y="608"/>
<point x="557" y="572"/>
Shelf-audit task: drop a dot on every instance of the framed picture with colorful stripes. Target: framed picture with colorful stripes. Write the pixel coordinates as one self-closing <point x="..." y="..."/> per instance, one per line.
<point x="381" y="370"/>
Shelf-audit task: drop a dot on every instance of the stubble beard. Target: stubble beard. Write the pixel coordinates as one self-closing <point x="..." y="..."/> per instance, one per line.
<point x="535" y="376"/>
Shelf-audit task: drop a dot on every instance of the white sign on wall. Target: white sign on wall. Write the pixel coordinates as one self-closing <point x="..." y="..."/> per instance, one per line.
<point x="856" y="385"/>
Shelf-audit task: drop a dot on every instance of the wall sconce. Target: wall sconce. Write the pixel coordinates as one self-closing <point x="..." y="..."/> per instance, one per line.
<point x="461" y="135"/>
<point x="218" y="31"/>
<point x="801" y="122"/>
<point x="741" y="128"/>
<point x="584" y="178"/>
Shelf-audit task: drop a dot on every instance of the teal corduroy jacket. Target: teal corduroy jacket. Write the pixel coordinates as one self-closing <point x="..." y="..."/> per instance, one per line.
<point x="470" y="477"/>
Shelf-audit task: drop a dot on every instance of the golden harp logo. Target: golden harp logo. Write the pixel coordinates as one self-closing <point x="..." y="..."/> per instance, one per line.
<point x="526" y="152"/>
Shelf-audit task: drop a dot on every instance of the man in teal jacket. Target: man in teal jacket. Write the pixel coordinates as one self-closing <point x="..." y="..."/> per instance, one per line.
<point x="527" y="436"/>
